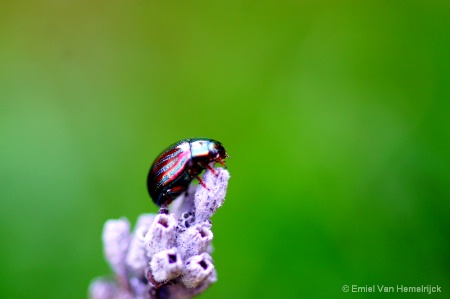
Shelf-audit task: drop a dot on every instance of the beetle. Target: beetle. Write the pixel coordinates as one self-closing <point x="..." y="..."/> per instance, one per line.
<point x="176" y="167"/>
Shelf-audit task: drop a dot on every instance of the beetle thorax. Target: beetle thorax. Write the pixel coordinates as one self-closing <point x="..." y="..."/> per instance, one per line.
<point x="200" y="150"/>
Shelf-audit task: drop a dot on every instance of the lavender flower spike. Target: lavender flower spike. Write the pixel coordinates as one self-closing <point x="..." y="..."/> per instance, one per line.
<point x="167" y="255"/>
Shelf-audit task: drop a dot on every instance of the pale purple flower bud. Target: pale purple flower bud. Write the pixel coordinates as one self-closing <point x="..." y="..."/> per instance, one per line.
<point x="139" y="288"/>
<point x="166" y="265"/>
<point x="194" y="240"/>
<point x="101" y="288"/>
<point x="161" y="234"/>
<point x="116" y="238"/>
<point x="137" y="259"/>
<point x="197" y="269"/>
<point x="208" y="201"/>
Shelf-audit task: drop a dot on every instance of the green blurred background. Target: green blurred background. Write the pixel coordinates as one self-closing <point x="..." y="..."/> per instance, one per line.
<point x="335" y="114"/>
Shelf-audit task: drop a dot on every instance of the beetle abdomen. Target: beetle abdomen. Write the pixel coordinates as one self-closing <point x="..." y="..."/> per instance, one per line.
<point x="168" y="170"/>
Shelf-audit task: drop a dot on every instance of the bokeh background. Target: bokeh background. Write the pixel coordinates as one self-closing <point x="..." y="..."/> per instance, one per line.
<point x="335" y="114"/>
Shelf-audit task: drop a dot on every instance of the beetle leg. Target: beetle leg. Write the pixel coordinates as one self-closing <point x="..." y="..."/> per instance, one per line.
<point x="201" y="181"/>
<point x="207" y="166"/>
<point x="164" y="209"/>
<point x="222" y="162"/>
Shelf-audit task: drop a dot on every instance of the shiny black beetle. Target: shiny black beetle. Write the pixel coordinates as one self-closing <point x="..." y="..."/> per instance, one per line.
<point x="174" y="169"/>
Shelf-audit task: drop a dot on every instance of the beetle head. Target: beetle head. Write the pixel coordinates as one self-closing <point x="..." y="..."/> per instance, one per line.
<point x="217" y="151"/>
